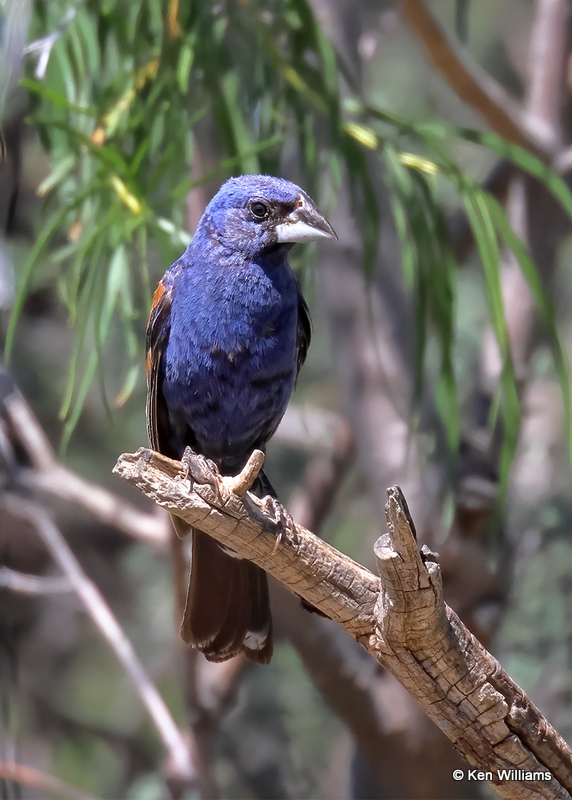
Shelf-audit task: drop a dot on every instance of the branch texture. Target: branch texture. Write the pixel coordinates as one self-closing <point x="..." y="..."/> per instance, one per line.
<point x="402" y="621"/>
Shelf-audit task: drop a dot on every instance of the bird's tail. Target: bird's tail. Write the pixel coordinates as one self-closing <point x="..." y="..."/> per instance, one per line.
<point x="227" y="610"/>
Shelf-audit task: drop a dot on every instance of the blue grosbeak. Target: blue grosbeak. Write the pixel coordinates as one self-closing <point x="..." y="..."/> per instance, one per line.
<point x="227" y="334"/>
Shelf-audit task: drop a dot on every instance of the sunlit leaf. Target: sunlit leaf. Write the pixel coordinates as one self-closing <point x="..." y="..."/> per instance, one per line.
<point x="131" y="380"/>
<point x="184" y="67"/>
<point x="43" y="238"/>
<point x="60" y="171"/>
<point x="127" y="197"/>
<point x="363" y="135"/>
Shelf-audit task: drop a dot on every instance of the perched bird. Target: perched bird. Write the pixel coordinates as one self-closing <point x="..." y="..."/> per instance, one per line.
<point x="227" y="334"/>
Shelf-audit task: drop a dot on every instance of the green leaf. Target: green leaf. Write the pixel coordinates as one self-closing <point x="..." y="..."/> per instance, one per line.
<point x="156" y="133"/>
<point x="73" y="419"/>
<point x="82" y="302"/>
<point x="242" y="138"/>
<point x="62" y="169"/>
<point x="526" y="161"/>
<point x="179" y="236"/>
<point x="184" y="67"/>
<point x="90" y="44"/>
<point x="51" y="226"/>
<point x="478" y="212"/>
<point x="543" y="304"/>
<point x="61" y="58"/>
<point x="131" y="380"/>
<point x="116" y="277"/>
<point x="77" y="49"/>
<point x="57" y="98"/>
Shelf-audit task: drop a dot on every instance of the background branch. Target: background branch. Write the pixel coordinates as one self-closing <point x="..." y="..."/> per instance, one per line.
<point x="181" y="767"/>
<point x="547" y="68"/>
<point x="473" y="85"/>
<point x="22" y="583"/>
<point x="41" y="781"/>
<point x="48" y="476"/>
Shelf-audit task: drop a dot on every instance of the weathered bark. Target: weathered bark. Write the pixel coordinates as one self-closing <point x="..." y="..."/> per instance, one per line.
<point x="401" y="620"/>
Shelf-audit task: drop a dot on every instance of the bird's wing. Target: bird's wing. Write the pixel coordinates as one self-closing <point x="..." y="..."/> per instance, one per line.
<point x="303" y="332"/>
<point x="158" y="330"/>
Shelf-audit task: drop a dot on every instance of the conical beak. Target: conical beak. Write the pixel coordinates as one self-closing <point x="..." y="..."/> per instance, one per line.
<point x="304" y="224"/>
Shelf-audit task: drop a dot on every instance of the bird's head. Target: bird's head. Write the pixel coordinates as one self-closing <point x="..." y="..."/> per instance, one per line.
<point x="253" y="214"/>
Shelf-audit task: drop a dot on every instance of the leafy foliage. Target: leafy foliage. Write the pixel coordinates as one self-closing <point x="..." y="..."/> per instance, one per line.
<point x="129" y="88"/>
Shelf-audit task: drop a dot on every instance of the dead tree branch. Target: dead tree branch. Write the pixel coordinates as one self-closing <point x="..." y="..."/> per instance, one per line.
<point x="401" y="621"/>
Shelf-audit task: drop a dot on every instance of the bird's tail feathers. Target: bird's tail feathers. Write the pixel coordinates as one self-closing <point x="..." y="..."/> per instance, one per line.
<point x="227" y="609"/>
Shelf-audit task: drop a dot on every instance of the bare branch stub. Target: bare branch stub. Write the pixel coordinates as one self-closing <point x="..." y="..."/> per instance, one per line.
<point x="460" y="685"/>
<point x="403" y="622"/>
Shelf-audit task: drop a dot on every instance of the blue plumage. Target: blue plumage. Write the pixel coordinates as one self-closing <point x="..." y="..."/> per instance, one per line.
<point x="227" y="334"/>
<point x="230" y="363"/>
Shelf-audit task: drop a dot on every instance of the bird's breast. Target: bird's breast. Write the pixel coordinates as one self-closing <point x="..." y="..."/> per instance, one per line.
<point x="230" y="363"/>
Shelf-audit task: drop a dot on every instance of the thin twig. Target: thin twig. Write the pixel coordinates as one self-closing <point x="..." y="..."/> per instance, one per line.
<point x="240" y="484"/>
<point x="29" y="432"/>
<point x="49" y="476"/>
<point x="21" y="583"/>
<point x="42" y="782"/>
<point x="181" y="763"/>
<point x="42" y="48"/>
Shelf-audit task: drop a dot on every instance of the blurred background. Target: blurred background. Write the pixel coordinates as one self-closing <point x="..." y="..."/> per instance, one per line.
<point x="436" y="137"/>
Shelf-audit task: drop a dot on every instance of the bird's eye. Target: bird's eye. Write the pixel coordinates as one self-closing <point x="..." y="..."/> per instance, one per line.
<point x="259" y="209"/>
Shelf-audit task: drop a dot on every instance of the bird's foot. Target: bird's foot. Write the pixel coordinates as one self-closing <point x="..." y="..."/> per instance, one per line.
<point x="199" y="469"/>
<point x="272" y="515"/>
<point x="282" y="519"/>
